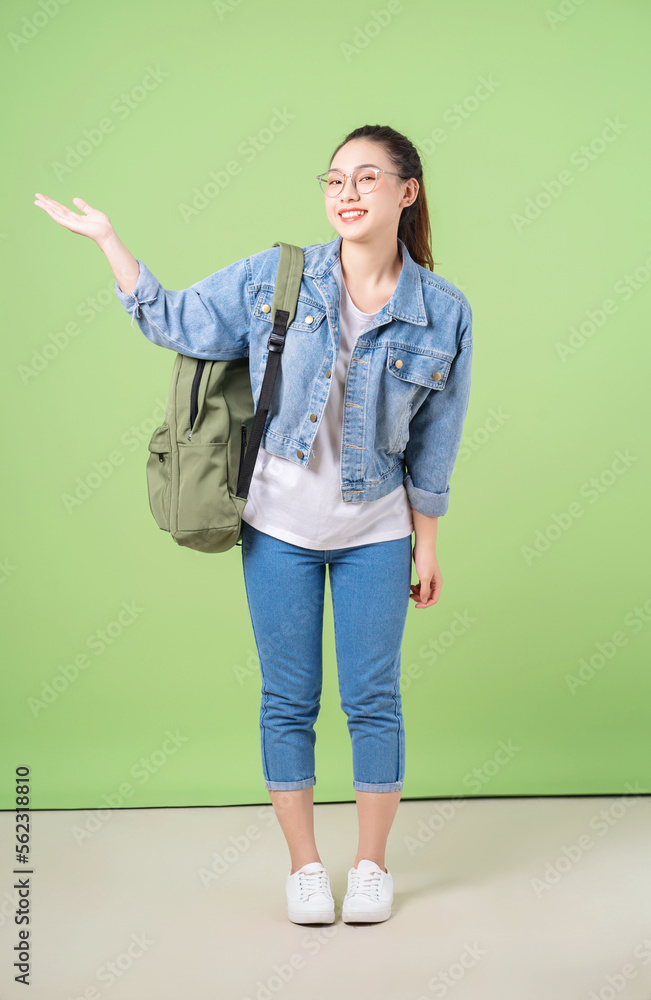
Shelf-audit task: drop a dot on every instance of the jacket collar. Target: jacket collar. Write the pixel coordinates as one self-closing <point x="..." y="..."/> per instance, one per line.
<point x="406" y="303"/>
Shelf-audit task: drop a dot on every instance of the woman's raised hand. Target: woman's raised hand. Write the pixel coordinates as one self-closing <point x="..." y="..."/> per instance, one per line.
<point x="98" y="228"/>
<point x="92" y="223"/>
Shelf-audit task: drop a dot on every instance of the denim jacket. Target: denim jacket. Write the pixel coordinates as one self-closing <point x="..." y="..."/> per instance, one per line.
<point x="408" y="381"/>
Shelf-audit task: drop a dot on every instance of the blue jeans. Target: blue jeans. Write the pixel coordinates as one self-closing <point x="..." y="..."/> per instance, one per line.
<point x="285" y="586"/>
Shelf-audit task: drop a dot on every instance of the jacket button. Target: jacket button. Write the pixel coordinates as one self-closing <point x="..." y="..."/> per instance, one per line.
<point x="309" y="319"/>
<point x="266" y="308"/>
<point x="328" y="373"/>
<point x="436" y="376"/>
<point x="398" y="363"/>
<point x="312" y="417"/>
<point x="300" y="454"/>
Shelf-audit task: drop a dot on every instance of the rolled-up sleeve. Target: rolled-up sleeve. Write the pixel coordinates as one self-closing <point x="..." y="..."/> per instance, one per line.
<point x="210" y="319"/>
<point x="435" y="433"/>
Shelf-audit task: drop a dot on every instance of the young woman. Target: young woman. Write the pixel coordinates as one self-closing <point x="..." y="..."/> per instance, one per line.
<point x="375" y="376"/>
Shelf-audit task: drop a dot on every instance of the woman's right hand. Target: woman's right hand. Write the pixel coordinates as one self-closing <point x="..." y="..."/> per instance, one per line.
<point x="92" y="223"/>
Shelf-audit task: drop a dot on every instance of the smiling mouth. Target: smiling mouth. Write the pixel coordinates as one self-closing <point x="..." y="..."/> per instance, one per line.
<point x="355" y="213"/>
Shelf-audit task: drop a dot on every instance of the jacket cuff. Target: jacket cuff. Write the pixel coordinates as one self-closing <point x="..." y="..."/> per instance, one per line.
<point x="432" y="504"/>
<point x="146" y="290"/>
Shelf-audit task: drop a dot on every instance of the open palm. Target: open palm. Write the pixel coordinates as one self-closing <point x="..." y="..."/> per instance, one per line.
<point x="92" y="223"/>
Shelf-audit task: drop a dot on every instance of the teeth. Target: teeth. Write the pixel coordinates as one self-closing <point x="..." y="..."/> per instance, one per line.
<point x="348" y="215"/>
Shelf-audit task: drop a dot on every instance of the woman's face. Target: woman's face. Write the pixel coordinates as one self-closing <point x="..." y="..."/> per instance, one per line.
<point x="381" y="207"/>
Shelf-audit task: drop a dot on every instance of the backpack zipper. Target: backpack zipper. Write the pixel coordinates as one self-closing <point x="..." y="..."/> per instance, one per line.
<point x="194" y="394"/>
<point x="242" y="450"/>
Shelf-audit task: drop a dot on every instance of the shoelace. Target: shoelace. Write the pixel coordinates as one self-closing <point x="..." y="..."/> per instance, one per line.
<point x="312" y="882"/>
<point x="368" y="884"/>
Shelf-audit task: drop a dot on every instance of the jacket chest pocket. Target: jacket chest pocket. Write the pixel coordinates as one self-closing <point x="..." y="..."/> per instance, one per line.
<point x="309" y="315"/>
<point x="418" y="367"/>
<point x="412" y="375"/>
<point x="308" y="319"/>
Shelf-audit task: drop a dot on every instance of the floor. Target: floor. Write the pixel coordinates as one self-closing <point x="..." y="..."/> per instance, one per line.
<point x="495" y="899"/>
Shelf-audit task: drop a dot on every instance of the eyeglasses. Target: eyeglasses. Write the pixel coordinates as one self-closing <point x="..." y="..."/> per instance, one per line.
<point x="363" y="180"/>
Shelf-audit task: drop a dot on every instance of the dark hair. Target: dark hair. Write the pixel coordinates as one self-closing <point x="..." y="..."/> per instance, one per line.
<point x="414" y="226"/>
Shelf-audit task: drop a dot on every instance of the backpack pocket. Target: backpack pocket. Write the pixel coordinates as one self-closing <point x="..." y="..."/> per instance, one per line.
<point x="204" y="501"/>
<point x="159" y="476"/>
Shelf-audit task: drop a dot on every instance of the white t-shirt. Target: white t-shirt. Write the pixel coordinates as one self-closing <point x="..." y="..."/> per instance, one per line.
<point x="303" y="505"/>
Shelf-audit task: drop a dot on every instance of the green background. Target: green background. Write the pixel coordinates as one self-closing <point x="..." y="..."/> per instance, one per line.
<point x="500" y="101"/>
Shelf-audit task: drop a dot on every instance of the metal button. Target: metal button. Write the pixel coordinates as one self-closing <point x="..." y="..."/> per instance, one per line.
<point x="436" y="376"/>
<point x="300" y="454"/>
<point x="328" y="373"/>
<point x="398" y="363"/>
<point x="312" y="417"/>
<point x="266" y="308"/>
<point x="309" y="319"/>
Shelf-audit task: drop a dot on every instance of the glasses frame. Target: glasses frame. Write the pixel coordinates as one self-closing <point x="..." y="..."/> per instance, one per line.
<point x="377" y="171"/>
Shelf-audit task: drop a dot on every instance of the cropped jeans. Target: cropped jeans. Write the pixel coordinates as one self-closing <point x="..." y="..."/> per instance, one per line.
<point x="285" y="587"/>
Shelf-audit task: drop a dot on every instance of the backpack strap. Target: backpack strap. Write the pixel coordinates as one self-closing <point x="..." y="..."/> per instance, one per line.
<point x="283" y="311"/>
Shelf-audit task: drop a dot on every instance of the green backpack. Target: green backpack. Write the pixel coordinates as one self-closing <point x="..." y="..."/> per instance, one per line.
<point x="200" y="464"/>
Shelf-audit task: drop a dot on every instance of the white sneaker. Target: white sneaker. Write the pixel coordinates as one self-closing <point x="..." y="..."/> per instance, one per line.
<point x="370" y="893"/>
<point x="309" y="899"/>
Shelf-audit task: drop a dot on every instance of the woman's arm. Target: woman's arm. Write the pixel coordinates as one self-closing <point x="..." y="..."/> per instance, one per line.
<point x="123" y="264"/>
<point x="428" y="590"/>
<point x="210" y="320"/>
<point x="434" y="438"/>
